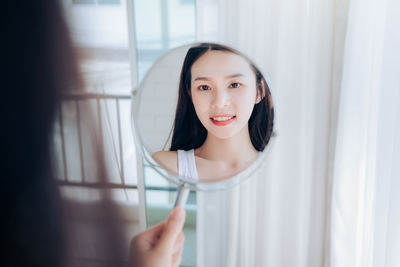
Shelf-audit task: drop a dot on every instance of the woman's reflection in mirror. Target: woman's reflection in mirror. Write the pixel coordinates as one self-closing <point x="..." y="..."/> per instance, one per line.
<point x="224" y="115"/>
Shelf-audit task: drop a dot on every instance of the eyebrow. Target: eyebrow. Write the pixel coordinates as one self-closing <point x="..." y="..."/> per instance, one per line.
<point x="226" y="77"/>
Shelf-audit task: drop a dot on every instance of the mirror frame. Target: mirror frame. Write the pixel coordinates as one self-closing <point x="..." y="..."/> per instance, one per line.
<point x="145" y="151"/>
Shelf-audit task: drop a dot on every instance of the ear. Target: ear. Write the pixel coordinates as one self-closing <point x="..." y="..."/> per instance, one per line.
<point x="261" y="90"/>
<point x="258" y="97"/>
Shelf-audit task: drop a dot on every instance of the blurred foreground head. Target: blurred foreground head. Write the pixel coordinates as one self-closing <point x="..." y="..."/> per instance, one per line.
<point x="39" y="66"/>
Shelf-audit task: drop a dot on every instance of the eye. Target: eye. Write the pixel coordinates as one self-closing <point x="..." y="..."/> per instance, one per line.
<point x="204" y="87"/>
<point x="234" y="85"/>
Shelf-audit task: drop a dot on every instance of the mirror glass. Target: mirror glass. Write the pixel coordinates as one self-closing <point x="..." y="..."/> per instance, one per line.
<point x="203" y="116"/>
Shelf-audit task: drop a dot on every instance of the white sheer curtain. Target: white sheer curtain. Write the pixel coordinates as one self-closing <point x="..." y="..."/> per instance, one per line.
<point x="316" y="200"/>
<point x="366" y="182"/>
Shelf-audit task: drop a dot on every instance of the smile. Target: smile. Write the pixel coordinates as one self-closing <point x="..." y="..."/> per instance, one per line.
<point x="222" y="120"/>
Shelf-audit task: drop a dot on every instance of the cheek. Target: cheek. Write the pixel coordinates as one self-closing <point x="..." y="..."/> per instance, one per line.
<point x="200" y="105"/>
<point x="245" y="96"/>
<point x="245" y="102"/>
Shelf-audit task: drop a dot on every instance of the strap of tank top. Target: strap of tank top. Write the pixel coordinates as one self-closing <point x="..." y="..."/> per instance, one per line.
<point x="187" y="166"/>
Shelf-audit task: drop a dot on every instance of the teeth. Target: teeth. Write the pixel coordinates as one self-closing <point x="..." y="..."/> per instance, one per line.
<point x="222" y="118"/>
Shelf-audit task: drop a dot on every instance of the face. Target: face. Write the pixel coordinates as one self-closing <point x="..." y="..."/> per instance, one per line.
<point x="224" y="92"/>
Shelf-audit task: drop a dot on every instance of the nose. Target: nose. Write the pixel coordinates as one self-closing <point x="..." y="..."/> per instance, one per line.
<point x="220" y="98"/>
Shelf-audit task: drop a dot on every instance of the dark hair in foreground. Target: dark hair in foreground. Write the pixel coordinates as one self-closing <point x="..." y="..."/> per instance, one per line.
<point x="39" y="67"/>
<point x="189" y="133"/>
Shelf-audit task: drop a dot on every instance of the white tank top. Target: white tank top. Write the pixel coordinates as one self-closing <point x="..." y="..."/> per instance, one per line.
<point x="187" y="166"/>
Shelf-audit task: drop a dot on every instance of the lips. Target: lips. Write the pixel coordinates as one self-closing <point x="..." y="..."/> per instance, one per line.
<point x="223" y="119"/>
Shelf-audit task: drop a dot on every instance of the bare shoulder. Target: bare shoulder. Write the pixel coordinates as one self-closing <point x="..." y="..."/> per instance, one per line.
<point x="168" y="160"/>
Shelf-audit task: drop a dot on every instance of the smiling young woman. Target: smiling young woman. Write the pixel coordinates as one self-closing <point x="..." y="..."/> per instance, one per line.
<point x="224" y="115"/>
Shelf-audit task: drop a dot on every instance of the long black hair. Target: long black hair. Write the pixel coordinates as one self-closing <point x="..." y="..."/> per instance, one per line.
<point x="190" y="133"/>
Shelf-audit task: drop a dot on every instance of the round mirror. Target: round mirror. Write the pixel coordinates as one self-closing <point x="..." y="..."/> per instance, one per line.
<point x="203" y="116"/>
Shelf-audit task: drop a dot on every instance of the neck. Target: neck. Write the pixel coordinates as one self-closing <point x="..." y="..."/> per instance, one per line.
<point x="236" y="149"/>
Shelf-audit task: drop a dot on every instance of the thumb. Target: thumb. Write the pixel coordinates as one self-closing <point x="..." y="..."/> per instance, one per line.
<point x="173" y="227"/>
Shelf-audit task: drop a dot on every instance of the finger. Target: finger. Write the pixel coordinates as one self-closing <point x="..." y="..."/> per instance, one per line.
<point x="177" y="257"/>
<point x="148" y="236"/>
<point x="173" y="227"/>
<point x="179" y="241"/>
<point x="154" y="230"/>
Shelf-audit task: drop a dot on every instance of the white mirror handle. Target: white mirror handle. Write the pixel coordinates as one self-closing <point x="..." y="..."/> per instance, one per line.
<point x="182" y="196"/>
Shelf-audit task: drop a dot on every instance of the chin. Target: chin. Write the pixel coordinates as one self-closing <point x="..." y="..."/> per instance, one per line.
<point x="223" y="134"/>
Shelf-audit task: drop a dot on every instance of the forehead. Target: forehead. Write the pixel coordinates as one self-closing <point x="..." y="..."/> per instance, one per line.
<point x="217" y="64"/>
